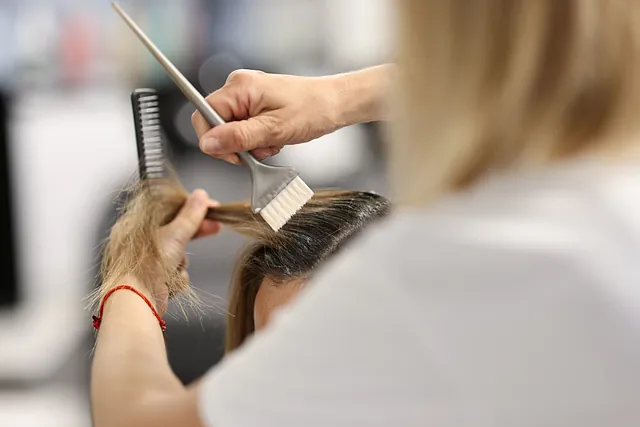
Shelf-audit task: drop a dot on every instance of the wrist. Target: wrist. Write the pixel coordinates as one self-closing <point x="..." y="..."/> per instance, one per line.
<point x="362" y="96"/>
<point x="127" y="299"/>
<point x="139" y="285"/>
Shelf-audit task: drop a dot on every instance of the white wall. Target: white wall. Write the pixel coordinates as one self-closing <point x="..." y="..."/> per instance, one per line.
<point x="68" y="154"/>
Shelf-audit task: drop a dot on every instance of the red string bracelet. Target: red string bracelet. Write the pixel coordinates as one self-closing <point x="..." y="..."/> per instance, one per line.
<point x="97" y="320"/>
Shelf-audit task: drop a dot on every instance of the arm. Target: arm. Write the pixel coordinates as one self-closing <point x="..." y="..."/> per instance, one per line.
<point x="265" y="112"/>
<point x="132" y="383"/>
<point x="362" y="96"/>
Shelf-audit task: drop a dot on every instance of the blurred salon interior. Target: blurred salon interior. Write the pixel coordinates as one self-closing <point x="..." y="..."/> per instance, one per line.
<point x="67" y="151"/>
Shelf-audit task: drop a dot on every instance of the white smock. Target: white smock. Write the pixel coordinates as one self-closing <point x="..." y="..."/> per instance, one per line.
<point x="513" y="304"/>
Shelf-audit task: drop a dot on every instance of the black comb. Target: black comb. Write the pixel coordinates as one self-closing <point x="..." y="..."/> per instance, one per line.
<point x="152" y="161"/>
<point x="146" y="116"/>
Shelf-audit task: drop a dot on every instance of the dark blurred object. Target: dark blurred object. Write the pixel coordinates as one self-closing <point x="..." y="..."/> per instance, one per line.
<point x="8" y="265"/>
<point x="194" y="348"/>
<point x="175" y="120"/>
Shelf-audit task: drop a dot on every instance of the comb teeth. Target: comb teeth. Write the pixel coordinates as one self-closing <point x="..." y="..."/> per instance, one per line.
<point x="151" y="155"/>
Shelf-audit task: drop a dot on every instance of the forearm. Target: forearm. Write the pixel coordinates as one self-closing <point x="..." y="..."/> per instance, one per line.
<point x="130" y="371"/>
<point x="363" y="96"/>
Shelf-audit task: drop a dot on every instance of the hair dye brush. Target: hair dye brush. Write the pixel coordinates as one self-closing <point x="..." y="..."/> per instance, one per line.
<point x="277" y="192"/>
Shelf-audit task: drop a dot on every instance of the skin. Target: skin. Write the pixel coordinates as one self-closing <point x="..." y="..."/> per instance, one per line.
<point x="268" y="111"/>
<point x="271" y="297"/>
<point x="132" y="383"/>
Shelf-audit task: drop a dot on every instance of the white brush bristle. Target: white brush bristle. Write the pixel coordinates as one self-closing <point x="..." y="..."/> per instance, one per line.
<point x="286" y="204"/>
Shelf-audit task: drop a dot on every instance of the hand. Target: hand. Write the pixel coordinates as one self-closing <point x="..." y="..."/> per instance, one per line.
<point x="131" y="264"/>
<point x="190" y="223"/>
<point x="266" y="112"/>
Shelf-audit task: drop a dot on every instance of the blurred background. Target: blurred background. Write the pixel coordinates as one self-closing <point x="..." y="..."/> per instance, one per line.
<point x="67" y="149"/>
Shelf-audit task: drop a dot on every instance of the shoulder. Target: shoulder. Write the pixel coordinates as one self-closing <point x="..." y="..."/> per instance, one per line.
<point x="504" y="295"/>
<point x="540" y="226"/>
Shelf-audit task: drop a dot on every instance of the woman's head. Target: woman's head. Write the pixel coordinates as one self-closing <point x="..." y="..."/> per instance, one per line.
<point x="271" y="270"/>
<point x="495" y="84"/>
<point x="274" y="267"/>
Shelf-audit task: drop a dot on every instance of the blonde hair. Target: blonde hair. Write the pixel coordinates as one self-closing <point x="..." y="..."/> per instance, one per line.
<point x="490" y="85"/>
<point x="134" y="247"/>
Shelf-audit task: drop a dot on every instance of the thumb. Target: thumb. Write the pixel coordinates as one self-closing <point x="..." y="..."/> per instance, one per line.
<point x="188" y="221"/>
<point x="243" y="135"/>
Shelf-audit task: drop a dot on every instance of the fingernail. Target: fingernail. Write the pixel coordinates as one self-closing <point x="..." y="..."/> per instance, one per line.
<point x="210" y="145"/>
<point x="231" y="158"/>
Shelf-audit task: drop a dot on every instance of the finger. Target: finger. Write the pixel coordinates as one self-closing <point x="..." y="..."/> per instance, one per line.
<point x="225" y="102"/>
<point x="244" y="135"/>
<point x="264" y="153"/>
<point x="190" y="218"/>
<point x="230" y="158"/>
<point x="199" y="124"/>
<point x="208" y="228"/>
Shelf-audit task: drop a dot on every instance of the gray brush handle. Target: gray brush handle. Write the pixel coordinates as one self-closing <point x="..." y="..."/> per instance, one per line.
<point x="210" y="115"/>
